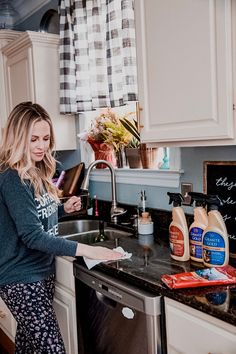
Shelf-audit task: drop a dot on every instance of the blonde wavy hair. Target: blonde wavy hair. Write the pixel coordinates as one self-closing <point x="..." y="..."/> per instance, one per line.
<point x="15" y="148"/>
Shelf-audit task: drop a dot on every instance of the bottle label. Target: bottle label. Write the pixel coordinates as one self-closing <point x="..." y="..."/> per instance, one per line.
<point x="195" y="238"/>
<point x="213" y="248"/>
<point x="176" y="241"/>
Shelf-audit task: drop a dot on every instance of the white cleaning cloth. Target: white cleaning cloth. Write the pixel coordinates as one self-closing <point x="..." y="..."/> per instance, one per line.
<point x="90" y="263"/>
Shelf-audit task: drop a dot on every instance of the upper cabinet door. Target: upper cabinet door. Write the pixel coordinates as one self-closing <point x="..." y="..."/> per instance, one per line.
<point x="32" y="74"/>
<point x="185" y="55"/>
<point x="6" y="36"/>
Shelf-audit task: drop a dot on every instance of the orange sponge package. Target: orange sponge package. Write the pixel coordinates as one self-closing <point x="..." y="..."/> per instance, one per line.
<point x="201" y="277"/>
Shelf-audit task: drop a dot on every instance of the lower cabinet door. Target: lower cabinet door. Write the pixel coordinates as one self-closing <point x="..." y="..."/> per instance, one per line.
<point x="64" y="305"/>
<point x="190" y="331"/>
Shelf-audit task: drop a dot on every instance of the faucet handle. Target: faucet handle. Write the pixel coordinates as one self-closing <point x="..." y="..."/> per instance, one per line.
<point x="116" y="211"/>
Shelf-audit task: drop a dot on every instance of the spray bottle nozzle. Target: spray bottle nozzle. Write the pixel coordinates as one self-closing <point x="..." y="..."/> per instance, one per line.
<point x="213" y="202"/>
<point x="175" y="198"/>
<point x="199" y="198"/>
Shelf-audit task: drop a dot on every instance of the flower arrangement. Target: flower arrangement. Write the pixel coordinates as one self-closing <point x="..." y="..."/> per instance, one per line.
<point x="108" y="134"/>
<point x="107" y="128"/>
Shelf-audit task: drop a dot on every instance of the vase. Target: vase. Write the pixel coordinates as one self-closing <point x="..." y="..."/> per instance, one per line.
<point x="134" y="157"/>
<point x="103" y="151"/>
<point x="148" y="156"/>
<point x="121" y="159"/>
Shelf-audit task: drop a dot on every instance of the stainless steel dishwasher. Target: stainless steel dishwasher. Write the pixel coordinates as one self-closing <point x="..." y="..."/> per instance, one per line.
<point x="115" y="318"/>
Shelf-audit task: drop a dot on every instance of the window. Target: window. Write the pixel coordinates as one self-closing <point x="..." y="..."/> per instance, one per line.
<point x="154" y="177"/>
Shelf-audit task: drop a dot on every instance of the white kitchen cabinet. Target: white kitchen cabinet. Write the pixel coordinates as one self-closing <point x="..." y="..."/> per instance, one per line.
<point x="7" y="321"/>
<point x="32" y="74"/>
<point x="6" y="36"/>
<point x="64" y="303"/>
<point x="191" y="331"/>
<point x="186" y="71"/>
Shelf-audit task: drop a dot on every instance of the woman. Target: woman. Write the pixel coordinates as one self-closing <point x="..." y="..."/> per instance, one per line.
<point x="29" y="209"/>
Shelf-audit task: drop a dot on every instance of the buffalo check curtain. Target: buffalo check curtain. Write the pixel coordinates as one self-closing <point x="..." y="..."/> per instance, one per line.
<point x="97" y="54"/>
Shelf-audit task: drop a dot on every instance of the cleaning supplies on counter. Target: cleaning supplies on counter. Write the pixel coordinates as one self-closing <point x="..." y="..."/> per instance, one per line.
<point x="178" y="229"/>
<point x="145" y="224"/>
<point x="202" y="277"/>
<point x="215" y="236"/>
<point x="198" y="226"/>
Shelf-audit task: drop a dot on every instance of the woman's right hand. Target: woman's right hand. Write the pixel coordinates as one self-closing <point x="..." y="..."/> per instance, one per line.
<point x="97" y="252"/>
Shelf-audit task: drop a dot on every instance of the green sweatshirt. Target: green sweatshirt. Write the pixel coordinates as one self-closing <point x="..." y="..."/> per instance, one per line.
<point x="28" y="232"/>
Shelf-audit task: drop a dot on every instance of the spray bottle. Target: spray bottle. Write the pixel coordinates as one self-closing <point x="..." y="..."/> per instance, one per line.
<point x="215" y="236"/>
<point x="198" y="226"/>
<point x="178" y="230"/>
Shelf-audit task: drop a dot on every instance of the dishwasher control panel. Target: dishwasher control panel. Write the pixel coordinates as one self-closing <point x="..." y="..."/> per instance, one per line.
<point x="109" y="290"/>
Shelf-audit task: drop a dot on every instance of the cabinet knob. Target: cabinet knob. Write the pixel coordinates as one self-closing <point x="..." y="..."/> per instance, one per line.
<point x="2" y="314"/>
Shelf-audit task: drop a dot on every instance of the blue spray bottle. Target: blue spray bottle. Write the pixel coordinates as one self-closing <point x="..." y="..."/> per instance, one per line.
<point x="215" y="237"/>
<point x="198" y="226"/>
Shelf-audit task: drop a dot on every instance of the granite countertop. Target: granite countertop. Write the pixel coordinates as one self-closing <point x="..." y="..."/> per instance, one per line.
<point x="150" y="259"/>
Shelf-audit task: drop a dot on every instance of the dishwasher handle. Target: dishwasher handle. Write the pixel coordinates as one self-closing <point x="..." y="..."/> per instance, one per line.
<point x="106" y="300"/>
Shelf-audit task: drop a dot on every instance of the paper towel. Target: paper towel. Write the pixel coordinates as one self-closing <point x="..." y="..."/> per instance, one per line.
<point x="90" y="263"/>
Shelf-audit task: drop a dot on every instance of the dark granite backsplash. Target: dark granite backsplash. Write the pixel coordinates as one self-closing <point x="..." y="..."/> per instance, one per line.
<point x="161" y="218"/>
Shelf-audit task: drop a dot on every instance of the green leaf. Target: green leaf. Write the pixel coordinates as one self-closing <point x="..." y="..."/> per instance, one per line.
<point x="131" y="127"/>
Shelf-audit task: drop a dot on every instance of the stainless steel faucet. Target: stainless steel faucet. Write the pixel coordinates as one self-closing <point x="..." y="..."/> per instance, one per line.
<point x="115" y="210"/>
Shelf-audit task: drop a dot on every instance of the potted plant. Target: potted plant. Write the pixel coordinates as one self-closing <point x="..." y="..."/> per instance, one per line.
<point x="132" y="150"/>
<point x="138" y="154"/>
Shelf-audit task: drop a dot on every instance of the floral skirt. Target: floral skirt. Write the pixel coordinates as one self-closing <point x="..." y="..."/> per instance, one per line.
<point x="37" y="327"/>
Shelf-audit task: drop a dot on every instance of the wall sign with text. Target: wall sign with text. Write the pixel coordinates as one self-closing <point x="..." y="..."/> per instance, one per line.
<point x="220" y="179"/>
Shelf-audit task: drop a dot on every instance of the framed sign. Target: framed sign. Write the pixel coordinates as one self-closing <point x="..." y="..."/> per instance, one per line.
<point x="220" y="179"/>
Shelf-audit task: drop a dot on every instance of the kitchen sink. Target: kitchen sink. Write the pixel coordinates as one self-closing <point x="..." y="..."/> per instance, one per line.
<point x="73" y="227"/>
<point x="85" y="231"/>
<point x="89" y="236"/>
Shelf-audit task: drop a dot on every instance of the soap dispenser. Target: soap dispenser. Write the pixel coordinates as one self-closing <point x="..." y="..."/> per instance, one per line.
<point x="178" y="229"/>
<point x="142" y="207"/>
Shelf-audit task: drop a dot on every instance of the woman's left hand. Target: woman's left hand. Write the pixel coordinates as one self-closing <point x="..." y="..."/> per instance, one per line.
<point x="73" y="204"/>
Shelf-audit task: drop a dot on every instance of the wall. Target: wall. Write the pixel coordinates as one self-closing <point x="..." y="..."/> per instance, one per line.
<point x="192" y="163"/>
